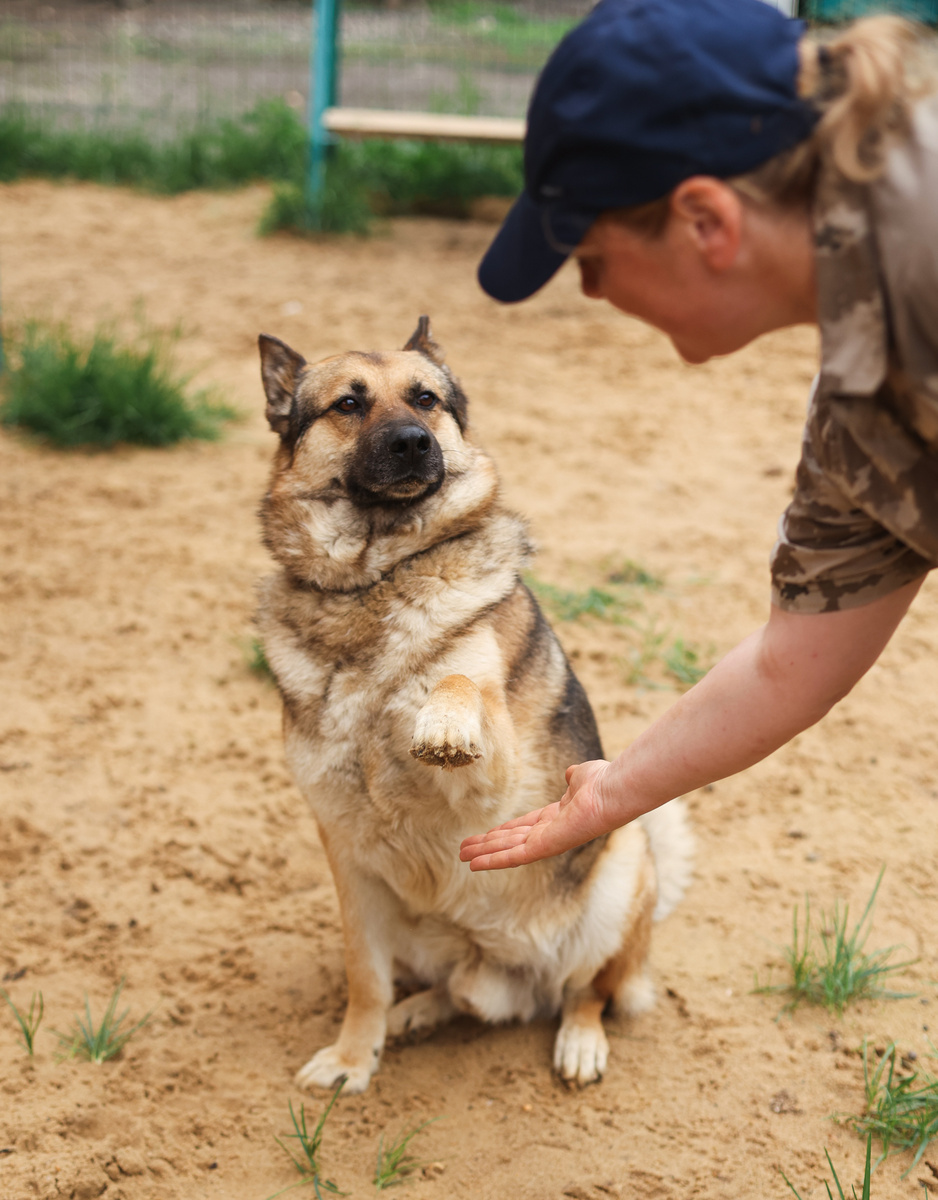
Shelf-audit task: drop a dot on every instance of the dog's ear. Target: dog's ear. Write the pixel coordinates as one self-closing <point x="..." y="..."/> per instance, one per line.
<point x="422" y="340"/>
<point x="280" y="369"/>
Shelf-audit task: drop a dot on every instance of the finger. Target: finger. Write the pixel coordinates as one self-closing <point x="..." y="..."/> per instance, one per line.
<point x="517" y="856"/>
<point x="492" y="845"/>
<point x="525" y="822"/>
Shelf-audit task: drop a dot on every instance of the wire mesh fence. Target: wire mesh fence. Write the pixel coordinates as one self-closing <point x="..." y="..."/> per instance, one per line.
<point x="167" y="64"/>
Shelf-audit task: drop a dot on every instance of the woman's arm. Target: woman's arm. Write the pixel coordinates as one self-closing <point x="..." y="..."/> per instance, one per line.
<point x="773" y="685"/>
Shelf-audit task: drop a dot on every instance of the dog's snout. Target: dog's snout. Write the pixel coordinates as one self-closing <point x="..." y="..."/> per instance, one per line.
<point x="409" y="444"/>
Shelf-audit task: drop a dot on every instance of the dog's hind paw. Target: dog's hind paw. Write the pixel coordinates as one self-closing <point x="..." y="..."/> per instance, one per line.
<point x="328" y="1066"/>
<point x="580" y="1052"/>
<point x="420" y="1013"/>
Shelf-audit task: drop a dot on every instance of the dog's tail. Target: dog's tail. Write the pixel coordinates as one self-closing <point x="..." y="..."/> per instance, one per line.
<point x="672" y="844"/>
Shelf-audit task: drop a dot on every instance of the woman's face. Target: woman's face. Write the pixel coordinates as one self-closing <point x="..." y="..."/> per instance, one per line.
<point x="718" y="276"/>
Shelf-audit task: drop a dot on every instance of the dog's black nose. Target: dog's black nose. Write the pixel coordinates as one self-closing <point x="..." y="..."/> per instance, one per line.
<point x="409" y="444"/>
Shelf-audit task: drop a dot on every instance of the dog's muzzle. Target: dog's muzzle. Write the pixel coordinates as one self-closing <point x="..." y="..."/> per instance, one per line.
<point x="400" y="461"/>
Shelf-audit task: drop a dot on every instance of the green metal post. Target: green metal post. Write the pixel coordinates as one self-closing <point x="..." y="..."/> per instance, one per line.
<point x="322" y="94"/>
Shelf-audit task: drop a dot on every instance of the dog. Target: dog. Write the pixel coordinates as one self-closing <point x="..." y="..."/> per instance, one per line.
<point x="426" y="698"/>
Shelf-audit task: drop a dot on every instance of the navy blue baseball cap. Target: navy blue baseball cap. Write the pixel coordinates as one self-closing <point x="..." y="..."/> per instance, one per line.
<point x="639" y="96"/>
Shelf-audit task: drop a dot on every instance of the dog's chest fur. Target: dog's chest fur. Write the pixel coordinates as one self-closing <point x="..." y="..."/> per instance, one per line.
<point x="354" y="668"/>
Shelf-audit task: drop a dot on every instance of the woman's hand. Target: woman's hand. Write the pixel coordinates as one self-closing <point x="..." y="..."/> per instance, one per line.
<point x="578" y="817"/>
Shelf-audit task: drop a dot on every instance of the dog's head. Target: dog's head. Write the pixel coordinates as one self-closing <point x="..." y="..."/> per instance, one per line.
<point x="372" y="447"/>
<point x="374" y="427"/>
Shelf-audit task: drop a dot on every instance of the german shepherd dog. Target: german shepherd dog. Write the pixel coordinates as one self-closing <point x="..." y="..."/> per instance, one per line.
<point x="425" y="698"/>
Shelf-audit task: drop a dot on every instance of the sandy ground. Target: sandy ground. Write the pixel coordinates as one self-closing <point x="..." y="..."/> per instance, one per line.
<point x="149" y="830"/>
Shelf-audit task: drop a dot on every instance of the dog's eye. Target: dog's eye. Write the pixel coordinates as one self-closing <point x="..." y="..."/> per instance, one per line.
<point x="427" y="399"/>
<point x="347" y="404"/>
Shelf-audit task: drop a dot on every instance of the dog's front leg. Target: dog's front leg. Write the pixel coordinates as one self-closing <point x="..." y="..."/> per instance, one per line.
<point x="462" y="723"/>
<point x="366" y="912"/>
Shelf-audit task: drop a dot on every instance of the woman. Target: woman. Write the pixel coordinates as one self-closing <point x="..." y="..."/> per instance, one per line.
<point x="719" y="175"/>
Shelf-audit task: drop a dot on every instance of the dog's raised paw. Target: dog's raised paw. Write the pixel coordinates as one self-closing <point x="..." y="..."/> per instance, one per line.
<point x="580" y="1052"/>
<point x="328" y="1066"/>
<point x="440" y="740"/>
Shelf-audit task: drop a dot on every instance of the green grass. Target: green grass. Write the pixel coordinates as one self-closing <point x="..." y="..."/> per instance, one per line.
<point x="841" y="1194"/>
<point x="307" y="1160"/>
<point x="371" y="177"/>
<point x="901" y="1106"/>
<point x="838" y="971"/>
<point x="395" y="1162"/>
<point x="267" y="143"/>
<point x="569" y="605"/>
<point x="28" y="1022"/>
<point x="620" y="602"/>
<point x="345" y="208"/>
<point x="523" y="37"/>
<point x="631" y="574"/>
<point x="103" y="1042"/>
<point x="75" y="392"/>
<point x="682" y="661"/>
<point x="257" y="660"/>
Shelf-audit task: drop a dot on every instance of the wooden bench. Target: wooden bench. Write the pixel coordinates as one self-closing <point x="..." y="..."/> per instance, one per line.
<point x="387" y="123"/>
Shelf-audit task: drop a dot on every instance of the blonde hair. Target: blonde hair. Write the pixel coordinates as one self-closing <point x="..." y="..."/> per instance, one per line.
<point x="863" y="83"/>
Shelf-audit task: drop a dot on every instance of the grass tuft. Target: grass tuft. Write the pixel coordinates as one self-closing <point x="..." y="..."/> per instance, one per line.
<point x="571" y="605"/>
<point x="257" y="660"/>
<point x="307" y="1164"/>
<point x="841" y="1195"/>
<point x="345" y="208"/>
<point x="103" y="1043"/>
<point x="633" y="575"/>
<point x="98" y="392"/>
<point x="840" y="971"/>
<point x="28" y="1022"/>
<point x="901" y="1105"/>
<point x="396" y="1162"/>
<point x="682" y="661"/>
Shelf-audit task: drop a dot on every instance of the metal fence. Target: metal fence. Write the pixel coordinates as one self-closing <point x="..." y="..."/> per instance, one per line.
<point x="164" y="65"/>
<point x="168" y="64"/>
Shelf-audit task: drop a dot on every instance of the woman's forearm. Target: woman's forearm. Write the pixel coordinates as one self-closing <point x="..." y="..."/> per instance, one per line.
<point x="773" y="685"/>
<point x="776" y="683"/>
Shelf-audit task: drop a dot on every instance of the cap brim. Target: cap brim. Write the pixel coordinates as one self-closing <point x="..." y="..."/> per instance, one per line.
<point x="520" y="260"/>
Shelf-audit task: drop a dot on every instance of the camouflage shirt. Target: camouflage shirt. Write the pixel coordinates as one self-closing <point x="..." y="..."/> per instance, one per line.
<point x="864" y="517"/>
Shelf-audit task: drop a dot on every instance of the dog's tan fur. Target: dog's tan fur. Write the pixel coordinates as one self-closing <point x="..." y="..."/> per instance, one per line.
<point x="425" y="698"/>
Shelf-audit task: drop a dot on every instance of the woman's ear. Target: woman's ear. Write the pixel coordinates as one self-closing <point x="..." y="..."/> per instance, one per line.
<point x="710" y="213"/>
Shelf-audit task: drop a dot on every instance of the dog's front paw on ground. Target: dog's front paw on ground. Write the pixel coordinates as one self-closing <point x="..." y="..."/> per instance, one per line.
<point x="328" y="1066"/>
<point x="443" y="739"/>
<point x="580" y="1053"/>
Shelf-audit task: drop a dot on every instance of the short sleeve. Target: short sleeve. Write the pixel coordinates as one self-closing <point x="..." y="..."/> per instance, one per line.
<point x="831" y="553"/>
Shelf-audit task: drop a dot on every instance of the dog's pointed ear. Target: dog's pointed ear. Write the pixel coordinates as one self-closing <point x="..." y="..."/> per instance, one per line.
<point x="422" y="340"/>
<point x="280" y="370"/>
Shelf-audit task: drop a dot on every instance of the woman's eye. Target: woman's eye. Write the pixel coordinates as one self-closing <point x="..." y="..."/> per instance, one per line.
<point x="427" y="399"/>
<point x="347" y="404"/>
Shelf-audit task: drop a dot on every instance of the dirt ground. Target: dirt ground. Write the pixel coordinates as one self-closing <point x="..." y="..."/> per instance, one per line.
<point x="149" y="830"/>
